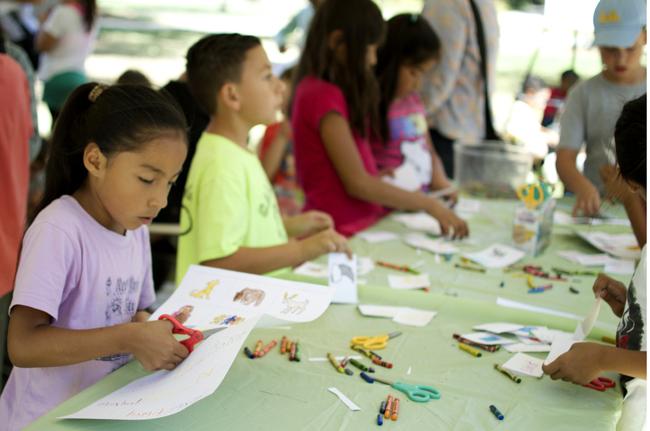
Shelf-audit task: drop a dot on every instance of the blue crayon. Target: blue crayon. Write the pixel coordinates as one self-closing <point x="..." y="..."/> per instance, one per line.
<point x="380" y="420"/>
<point x="495" y="411"/>
<point x="248" y="353"/>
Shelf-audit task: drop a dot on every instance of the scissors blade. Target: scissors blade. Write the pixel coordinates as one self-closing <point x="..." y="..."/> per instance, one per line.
<point x="211" y="331"/>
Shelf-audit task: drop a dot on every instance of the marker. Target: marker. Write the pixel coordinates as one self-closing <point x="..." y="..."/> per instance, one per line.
<point x="380" y="420"/>
<point x="395" y="411"/>
<point x="248" y="353"/>
<point x="258" y="347"/>
<point x="472" y="351"/>
<point x="469" y="268"/>
<point x="495" y="411"/>
<point x="507" y="373"/>
<point x="360" y="366"/>
<point x="389" y="407"/>
<point x="486" y="347"/>
<point x="403" y="268"/>
<point x="283" y="345"/>
<point x="335" y="364"/>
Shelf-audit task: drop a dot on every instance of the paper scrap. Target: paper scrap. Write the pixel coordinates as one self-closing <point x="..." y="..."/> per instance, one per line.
<point x="343" y="278"/>
<point x="623" y="246"/>
<point x="377" y="236"/>
<point x="523" y="347"/>
<point x="561" y="344"/>
<point x="524" y="365"/>
<point x="496" y="256"/>
<point x="437" y="246"/>
<point x="405" y="177"/>
<point x="498" y="328"/>
<point x="378" y="310"/>
<point x="312" y="269"/>
<point x="487" y="338"/>
<point x="414" y="317"/>
<point x="584" y="258"/>
<point x="419" y="221"/>
<point x="619" y="266"/>
<point x="584" y="328"/>
<point x="347" y="401"/>
<point x="409" y="281"/>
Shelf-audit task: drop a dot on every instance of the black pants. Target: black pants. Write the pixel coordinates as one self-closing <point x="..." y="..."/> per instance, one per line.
<point x="445" y="149"/>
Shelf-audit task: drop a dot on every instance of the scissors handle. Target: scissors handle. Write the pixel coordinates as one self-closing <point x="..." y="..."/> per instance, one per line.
<point x="417" y="393"/>
<point x="193" y="336"/>
<point x="600" y="384"/>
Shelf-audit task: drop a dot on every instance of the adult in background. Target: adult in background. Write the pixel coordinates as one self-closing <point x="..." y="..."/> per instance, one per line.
<point x="456" y="94"/>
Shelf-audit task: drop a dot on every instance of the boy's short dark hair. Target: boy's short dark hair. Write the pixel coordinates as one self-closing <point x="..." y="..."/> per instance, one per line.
<point x="213" y="61"/>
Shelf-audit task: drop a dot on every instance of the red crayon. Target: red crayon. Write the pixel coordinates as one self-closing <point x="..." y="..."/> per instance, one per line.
<point x="389" y="407"/>
<point x="283" y="345"/>
<point x="395" y="412"/>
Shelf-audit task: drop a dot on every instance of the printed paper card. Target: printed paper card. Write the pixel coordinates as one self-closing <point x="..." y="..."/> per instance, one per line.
<point x="496" y="256"/>
<point x="343" y="278"/>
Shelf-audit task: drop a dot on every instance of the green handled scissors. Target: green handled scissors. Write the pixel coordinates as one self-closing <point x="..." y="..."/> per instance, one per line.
<point x="374" y="343"/>
<point x="417" y="393"/>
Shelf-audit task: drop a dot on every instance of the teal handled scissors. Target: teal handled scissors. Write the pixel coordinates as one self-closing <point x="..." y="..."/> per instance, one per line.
<point x="373" y="343"/>
<point x="417" y="393"/>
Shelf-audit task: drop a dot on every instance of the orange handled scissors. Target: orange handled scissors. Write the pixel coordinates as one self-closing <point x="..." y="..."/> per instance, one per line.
<point x="374" y="343"/>
<point x="194" y="336"/>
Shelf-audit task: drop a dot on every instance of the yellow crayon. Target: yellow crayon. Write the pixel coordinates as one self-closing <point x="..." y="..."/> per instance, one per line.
<point x="472" y="351"/>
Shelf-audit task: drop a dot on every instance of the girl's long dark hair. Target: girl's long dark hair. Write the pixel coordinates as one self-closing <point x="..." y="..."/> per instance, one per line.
<point x="121" y="118"/>
<point x="89" y="12"/>
<point x="410" y="41"/>
<point x="361" y="24"/>
<point x="631" y="141"/>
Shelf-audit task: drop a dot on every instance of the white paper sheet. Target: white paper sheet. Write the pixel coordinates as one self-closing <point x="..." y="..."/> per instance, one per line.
<point x="377" y="236"/>
<point x="487" y="338"/>
<point x="210" y="298"/>
<point x="584" y="258"/>
<point x="347" y="401"/>
<point x="312" y="269"/>
<point x="530" y="348"/>
<point x="438" y="246"/>
<point x="402" y="315"/>
<point x="619" y="266"/>
<point x="364" y="266"/>
<point x="496" y="256"/>
<point x="370" y="310"/>
<point x="561" y="344"/>
<point x="522" y="364"/>
<point x="623" y="246"/>
<point x="405" y="177"/>
<point x="561" y="217"/>
<point x="419" y="221"/>
<point x="343" y="278"/>
<point x="409" y="281"/>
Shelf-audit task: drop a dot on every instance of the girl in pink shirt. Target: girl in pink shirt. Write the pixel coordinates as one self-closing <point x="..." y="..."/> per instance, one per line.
<point x="84" y="277"/>
<point x="406" y="56"/>
<point x="335" y="115"/>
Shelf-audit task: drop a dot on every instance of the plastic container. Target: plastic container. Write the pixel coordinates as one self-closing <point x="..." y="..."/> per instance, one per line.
<point x="491" y="168"/>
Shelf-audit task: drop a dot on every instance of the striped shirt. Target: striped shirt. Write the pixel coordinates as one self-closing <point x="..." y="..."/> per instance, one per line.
<point x="453" y="93"/>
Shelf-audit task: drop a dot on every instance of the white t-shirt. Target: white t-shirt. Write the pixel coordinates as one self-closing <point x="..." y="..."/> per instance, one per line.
<point x="75" y="43"/>
<point x="632" y="334"/>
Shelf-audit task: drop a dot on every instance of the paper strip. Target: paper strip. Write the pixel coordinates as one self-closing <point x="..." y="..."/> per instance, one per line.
<point x="347" y="401"/>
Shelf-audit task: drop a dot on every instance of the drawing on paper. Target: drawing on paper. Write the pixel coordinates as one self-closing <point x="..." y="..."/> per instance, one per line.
<point x="183" y="314"/>
<point x="340" y="272"/>
<point x="227" y="319"/>
<point x="293" y="305"/>
<point x="206" y="291"/>
<point x="497" y="252"/>
<point x="250" y="296"/>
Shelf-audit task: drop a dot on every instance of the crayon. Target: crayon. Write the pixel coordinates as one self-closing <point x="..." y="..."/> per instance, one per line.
<point x="335" y="364"/>
<point x="403" y="268"/>
<point x="507" y="373"/>
<point x="395" y="411"/>
<point x="267" y="348"/>
<point x="248" y="353"/>
<point x="469" y="268"/>
<point x="258" y="347"/>
<point x="349" y="372"/>
<point x="382" y="363"/>
<point x="292" y="354"/>
<point x="362" y="367"/>
<point x="486" y="347"/>
<point x="609" y="340"/>
<point x="389" y="407"/>
<point x="573" y="290"/>
<point x="380" y="420"/>
<point x="495" y="411"/>
<point x="296" y="352"/>
<point x="472" y="351"/>
<point x="382" y="407"/>
<point x="283" y="345"/>
<point x="366" y="377"/>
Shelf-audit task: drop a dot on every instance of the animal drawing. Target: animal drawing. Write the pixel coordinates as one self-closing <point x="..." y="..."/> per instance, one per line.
<point x="293" y="305"/>
<point x="206" y="291"/>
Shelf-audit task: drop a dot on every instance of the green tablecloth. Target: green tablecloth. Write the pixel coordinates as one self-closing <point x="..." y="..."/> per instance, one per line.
<point x="272" y="393"/>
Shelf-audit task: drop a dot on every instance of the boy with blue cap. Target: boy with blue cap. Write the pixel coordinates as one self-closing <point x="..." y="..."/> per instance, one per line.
<point x="594" y="105"/>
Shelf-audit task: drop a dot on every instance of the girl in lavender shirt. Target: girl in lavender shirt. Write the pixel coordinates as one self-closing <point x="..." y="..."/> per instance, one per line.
<point x="84" y="276"/>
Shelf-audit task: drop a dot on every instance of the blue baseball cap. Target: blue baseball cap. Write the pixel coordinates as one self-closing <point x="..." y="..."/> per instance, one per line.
<point x="618" y="23"/>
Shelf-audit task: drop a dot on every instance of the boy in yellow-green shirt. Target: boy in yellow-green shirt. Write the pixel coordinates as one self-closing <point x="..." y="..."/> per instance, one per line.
<point x="230" y="214"/>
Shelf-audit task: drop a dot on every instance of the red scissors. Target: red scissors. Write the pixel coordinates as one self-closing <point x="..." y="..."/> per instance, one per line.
<point x="194" y="336"/>
<point x="600" y="384"/>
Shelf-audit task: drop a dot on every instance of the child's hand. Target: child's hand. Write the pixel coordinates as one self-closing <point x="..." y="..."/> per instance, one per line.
<point x="581" y="364"/>
<point x="327" y="241"/>
<point x="587" y="200"/>
<point x="612" y="291"/>
<point x="450" y="223"/>
<point x="308" y="223"/>
<point x="155" y="346"/>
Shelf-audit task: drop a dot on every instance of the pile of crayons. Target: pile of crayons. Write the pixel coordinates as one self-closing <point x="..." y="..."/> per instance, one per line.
<point x="375" y="358"/>
<point x="486" y="347"/>
<point x="389" y="409"/>
<point x="291" y="348"/>
<point x="260" y="349"/>
<point x="340" y="366"/>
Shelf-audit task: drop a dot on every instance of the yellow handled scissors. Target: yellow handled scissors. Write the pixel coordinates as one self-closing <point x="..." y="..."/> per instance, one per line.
<point x="374" y="343"/>
<point x="533" y="195"/>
